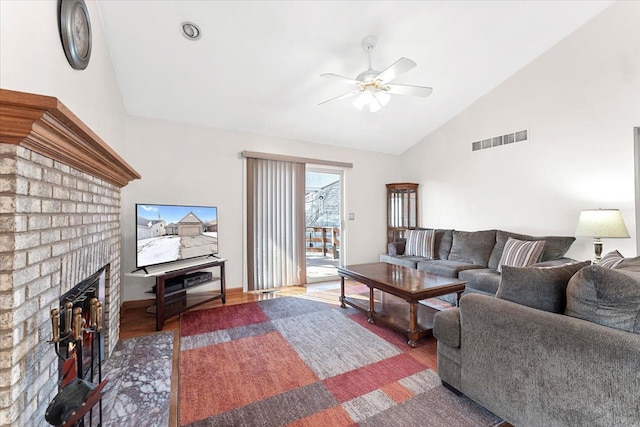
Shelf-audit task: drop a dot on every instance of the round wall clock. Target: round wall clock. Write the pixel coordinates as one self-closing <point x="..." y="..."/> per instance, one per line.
<point x="75" y="32"/>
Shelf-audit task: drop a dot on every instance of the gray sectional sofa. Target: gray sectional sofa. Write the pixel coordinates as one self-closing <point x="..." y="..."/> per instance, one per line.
<point x="474" y="256"/>
<point x="555" y="347"/>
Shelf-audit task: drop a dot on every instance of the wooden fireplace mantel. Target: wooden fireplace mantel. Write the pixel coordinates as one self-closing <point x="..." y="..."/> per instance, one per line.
<point x="43" y="124"/>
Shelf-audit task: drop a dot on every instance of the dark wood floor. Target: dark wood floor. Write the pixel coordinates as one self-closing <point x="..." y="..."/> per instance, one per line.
<point x="135" y="322"/>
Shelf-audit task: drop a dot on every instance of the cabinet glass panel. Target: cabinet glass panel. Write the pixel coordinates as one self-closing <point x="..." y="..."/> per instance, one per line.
<point x="402" y="210"/>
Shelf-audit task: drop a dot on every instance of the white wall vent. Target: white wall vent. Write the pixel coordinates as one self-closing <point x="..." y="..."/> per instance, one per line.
<point x="496" y="141"/>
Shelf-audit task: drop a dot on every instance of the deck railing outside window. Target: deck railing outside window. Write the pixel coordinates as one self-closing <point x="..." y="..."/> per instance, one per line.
<point x="323" y="239"/>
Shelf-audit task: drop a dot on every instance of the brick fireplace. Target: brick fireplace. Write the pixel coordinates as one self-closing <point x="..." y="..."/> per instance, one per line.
<point x="60" y="208"/>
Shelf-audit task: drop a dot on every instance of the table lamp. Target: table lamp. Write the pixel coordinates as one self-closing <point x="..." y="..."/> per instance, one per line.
<point x="601" y="223"/>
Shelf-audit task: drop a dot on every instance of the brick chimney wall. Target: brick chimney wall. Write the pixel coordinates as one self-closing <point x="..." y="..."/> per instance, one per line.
<point x="58" y="225"/>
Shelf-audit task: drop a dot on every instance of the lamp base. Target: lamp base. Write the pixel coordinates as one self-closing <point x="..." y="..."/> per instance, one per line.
<point x="597" y="246"/>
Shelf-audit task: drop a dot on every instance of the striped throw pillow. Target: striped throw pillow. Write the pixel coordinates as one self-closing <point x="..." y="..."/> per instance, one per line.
<point x="611" y="259"/>
<point x="521" y="253"/>
<point x="420" y="243"/>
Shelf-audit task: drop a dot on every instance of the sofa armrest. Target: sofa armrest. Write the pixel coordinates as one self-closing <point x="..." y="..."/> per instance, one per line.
<point x="446" y="327"/>
<point x="396" y="248"/>
<point x="537" y="368"/>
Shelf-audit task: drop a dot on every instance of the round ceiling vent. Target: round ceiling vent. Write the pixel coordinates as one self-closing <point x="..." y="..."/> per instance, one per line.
<point x="191" y="31"/>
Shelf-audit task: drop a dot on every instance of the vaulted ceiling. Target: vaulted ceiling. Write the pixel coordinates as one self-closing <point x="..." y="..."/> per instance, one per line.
<point x="257" y="65"/>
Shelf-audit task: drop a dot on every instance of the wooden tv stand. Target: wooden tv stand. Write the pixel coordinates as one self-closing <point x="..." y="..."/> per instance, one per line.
<point x="171" y="303"/>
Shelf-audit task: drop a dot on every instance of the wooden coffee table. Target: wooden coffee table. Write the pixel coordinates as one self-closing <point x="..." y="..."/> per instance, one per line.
<point x="398" y="286"/>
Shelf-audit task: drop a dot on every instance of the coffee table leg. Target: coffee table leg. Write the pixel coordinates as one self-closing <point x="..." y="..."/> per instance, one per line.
<point x="458" y="299"/>
<point x="342" y="292"/>
<point x="413" y="334"/>
<point x="371" y="307"/>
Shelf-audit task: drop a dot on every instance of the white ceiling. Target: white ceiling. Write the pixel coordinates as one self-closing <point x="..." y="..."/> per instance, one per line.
<point x="257" y="66"/>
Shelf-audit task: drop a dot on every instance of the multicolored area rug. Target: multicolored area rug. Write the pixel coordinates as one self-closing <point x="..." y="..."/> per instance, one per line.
<point x="298" y="362"/>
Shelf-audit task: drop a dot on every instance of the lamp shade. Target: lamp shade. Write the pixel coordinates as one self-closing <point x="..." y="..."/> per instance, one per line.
<point x="600" y="223"/>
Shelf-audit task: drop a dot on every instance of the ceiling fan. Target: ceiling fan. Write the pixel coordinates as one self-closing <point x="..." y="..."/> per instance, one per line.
<point x="374" y="88"/>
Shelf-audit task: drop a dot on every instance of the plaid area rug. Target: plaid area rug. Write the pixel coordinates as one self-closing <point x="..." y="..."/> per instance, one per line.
<point x="298" y="362"/>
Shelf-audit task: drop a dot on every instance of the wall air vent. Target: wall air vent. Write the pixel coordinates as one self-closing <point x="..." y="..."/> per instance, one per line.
<point x="496" y="141"/>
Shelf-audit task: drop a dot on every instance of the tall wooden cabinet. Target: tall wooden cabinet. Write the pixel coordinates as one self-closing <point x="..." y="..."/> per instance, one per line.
<point x="402" y="209"/>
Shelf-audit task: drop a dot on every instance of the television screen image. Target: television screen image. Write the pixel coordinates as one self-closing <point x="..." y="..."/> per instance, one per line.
<point x="166" y="233"/>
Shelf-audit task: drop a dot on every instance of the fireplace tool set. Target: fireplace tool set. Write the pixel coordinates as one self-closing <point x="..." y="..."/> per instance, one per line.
<point x="71" y="331"/>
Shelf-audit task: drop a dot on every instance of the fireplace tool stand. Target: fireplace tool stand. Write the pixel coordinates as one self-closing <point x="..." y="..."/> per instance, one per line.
<point x="78" y="395"/>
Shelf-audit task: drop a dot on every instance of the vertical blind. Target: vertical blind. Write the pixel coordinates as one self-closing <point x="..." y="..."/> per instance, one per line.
<point x="275" y="229"/>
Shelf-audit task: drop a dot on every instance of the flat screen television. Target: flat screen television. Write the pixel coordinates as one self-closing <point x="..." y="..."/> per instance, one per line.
<point x="167" y="233"/>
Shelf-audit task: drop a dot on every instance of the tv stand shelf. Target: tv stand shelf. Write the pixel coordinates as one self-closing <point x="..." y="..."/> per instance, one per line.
<point x="177" y="292"/>
<point x="172" y="303"/>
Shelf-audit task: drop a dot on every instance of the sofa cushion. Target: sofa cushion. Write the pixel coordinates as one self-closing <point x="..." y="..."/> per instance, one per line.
<point x="553" y="262"/>
<point x="554" y="246"/>
<point x="520" y="253"/>
<point x="446" y="327"/>
<point x="485" y="280"/>
<point x="472" y="247"/>
<point x="444" y="267"/>
<point x="396" y="248"/>
<point x="420" y="243"/>
<point x="444" y="239"/>
<point x="606" y="296"/>
<point x="402" y="260"/>
<point x="468" y="291"/>
<point x="543" y="288"/>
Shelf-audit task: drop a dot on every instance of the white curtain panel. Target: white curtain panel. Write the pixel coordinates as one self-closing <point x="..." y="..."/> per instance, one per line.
<point x="275" y="215"/>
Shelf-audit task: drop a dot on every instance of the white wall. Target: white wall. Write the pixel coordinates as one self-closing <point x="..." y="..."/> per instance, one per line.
<point x="178" y="164"/>
<point x="32" y="60"/>
<point x="182" y="164"/>
<point x="580" y="101"/>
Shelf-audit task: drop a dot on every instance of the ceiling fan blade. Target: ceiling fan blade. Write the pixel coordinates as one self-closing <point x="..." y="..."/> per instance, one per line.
<point x="341" y="78"/>
<point x="409" y="90"/>
<point x="346" y="95"/>
<point x="394" y="70"/>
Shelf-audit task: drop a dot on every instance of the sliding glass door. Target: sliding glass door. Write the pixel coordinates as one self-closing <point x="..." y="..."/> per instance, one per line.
<point x="323" y="220"/>
<point x="292" y="226"/>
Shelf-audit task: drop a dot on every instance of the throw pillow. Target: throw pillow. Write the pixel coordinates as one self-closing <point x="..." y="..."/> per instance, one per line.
<point x="554" y="246"/>
<point x="629" y="264"/>
<point x="611" y="259"/>
<point x="543" y="288"/>
<point x="420" y="243"/>
<point x="521" y="253"/>
<point x="472" y="247"/>
<point x="606" y="296"/>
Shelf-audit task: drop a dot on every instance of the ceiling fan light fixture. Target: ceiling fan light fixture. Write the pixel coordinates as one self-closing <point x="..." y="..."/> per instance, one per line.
<point x="371" y="100"/>
<point x="363" y="99"/>
<point x="382" y="97"/>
